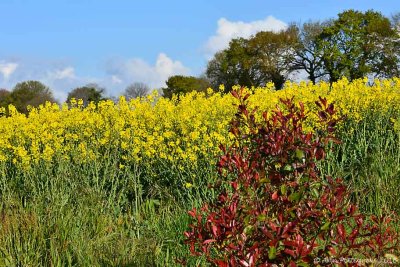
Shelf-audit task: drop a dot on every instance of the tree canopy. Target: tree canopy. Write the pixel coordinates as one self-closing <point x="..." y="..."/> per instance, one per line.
<point x="28" y="93"/>
<point x="88" y="93"/>
<point x="263" y="58"/>
<point x="179" y="84"/>
<point x="358" y="44"/>
<point x="5" y="97"/>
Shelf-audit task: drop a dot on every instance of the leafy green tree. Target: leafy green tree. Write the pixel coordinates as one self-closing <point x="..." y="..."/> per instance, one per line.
<point x="271" y="55"/>
<point x="358" y="44"/>
<point x="5" y="97"/>
<point x="256" y="61"/>
<point x="88" y="93"/>
<point x="179" y="84"/>
<point x="30" y="93"/>
<point x="231" y="66"/>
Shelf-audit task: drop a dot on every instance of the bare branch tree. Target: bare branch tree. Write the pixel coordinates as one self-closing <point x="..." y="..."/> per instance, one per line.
<point x="308" y="55"/>
<point x="135" y="90"/>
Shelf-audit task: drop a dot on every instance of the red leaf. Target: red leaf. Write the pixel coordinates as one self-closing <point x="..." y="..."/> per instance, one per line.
<point x="234" y="185"/>
<point x="332" y="251"/>
<point x="319" y="153"/>
<point x="244" y="263"/>
<point x="353" y="235"/>
<point x="192" y="213"/>
<point x="214" y="230"/>
<point x="322" y="115"/>
<point x="289" y="243"/>
<point x="221" y="263"/>
<point x="290" y="252"/>
<point x="323" y="100"/>
<point x="331" y="109"/>
<point x="341" y="231"/>
<point x="235" y="94"/>
<point x="208" y="241"/>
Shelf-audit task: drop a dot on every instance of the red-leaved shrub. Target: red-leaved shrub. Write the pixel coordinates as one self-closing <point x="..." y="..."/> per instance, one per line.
<point x="275" y="208"/>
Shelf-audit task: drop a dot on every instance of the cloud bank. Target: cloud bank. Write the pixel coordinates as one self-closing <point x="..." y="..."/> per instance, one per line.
<point x="228" y="30"/>
<point x="125" y="71"/>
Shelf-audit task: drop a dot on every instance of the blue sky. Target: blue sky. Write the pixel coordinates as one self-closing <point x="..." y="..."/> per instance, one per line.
<point x="69" y="43"/>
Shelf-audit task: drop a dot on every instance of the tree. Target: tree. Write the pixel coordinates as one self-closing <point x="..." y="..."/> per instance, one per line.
<point x="88" y="93"/>
<point x="308" y="55"/>
<point x="30" y="93"/>
<point x="358" y="44"/>
<point x="271" y="56"/>
<point x="217" y="71"/>
<point x="179" y="84"/>
<point x="231" y="66"/>
<point x="5" y="97"/>
<point x="135" y="90"/>
<point x="256" y="61"/>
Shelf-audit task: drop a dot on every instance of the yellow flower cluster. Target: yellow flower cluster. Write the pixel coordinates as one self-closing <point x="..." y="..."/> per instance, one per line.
<point x="149" y="128"/>
<point x="154" y="128"/>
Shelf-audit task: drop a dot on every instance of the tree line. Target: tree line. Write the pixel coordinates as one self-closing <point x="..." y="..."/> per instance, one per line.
<point x="354" y="45"/>
<point x="33" y="93"/>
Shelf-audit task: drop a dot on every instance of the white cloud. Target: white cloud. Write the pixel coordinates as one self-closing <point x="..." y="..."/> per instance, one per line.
<point x="227" y="30"/>
<point x="138" y="70"/>
<point x="59" y="75"/>
<point x="115" y="79"/>
<point x="6" y="69"/>
<point x="65" y="73"/>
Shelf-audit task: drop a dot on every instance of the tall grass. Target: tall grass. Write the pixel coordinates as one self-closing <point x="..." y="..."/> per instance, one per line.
<point x="369" y="160"/>
<point x="96" y="214"/>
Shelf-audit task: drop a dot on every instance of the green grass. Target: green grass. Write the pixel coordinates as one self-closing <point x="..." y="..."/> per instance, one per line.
<point x="98" y="215"/>
<point x="369" y="160"/>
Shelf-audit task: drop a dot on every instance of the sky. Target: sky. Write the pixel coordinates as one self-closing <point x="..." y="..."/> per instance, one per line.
<point x="70" y="43"/>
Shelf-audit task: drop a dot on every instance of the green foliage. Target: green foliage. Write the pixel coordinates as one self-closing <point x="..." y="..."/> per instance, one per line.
<point x="179" y="84"/>
<point x="358" y="44"/>
<point x="230" y="66"/>
<point x="5" y="98"/>
<point x="29" y="93"/>
<point x="88" y="93"/>
<point x="263" y="58"/>
<point x="272" y="54"/>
